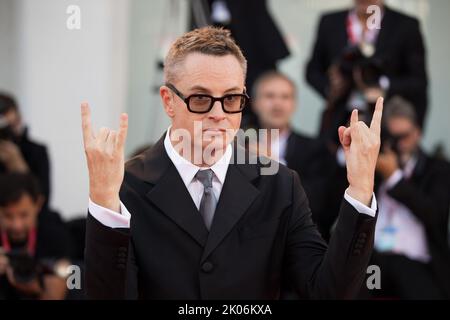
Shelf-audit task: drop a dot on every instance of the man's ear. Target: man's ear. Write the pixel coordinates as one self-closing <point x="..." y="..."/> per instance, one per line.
<point x="167" y="100"/>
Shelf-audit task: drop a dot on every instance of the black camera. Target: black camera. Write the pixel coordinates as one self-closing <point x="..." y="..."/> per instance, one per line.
<point x="371" y="67"/>
<point x="26" y="267"/>
<point x="390" y="140"/>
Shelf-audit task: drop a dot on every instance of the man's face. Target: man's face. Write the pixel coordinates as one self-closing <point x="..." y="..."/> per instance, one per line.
<point x="212" y="75"/>
<point x="18" y="218"/>
<point x="14" y="121"/>
<point x="274" y="103"/>
<point x="410" y="133"/>
<point x="362" y="5"/>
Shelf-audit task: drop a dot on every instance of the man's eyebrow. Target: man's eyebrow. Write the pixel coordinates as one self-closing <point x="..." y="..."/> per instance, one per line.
<point x="206" y="90"/>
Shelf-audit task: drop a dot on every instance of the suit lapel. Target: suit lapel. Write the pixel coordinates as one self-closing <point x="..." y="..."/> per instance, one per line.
<point x="385" y="31"/>
<point x="170" y="195"/>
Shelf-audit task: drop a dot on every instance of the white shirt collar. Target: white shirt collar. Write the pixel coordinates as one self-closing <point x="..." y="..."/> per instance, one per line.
<point x="188" y="170"/>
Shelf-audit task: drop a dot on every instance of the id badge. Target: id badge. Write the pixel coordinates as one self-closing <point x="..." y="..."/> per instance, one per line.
<point x="386" y="241"/>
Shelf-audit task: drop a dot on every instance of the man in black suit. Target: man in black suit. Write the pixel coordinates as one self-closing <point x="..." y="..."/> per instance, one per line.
<point x="34" y="242"/>
<point x="353" y="62"/>
<point x="192" y="219"/>
<point x="414" y="199"/>
<point x="274" y="99"/>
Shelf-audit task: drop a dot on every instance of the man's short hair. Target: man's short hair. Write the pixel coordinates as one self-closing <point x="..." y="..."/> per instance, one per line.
<point x="270" y="75"/>
<point x="13" y="186"/>
<point x="7" y="103"/>
<point x="208" y="40"/>
<point x="398" y="107"/>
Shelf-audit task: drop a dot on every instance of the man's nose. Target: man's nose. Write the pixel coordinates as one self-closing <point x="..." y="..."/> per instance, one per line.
<point x="217" y="113"/>
<point x="17" y="226"/>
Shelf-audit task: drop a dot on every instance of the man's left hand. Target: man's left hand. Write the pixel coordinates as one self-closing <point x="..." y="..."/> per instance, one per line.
<point x="361" y="146"/>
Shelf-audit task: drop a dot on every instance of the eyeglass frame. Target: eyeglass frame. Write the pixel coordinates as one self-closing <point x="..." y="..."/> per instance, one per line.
<point x="213" y="99"/>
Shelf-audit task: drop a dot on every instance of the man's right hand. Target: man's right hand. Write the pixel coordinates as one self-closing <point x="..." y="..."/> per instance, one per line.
<point x="105" y="160"/>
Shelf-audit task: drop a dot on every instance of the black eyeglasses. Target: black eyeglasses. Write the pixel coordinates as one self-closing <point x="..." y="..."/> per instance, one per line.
<point x="203" y="103"/>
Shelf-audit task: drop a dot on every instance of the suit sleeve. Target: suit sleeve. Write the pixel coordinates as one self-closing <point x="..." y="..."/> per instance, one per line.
<point x="111" y="270"/>
<point x="336" y="272"/>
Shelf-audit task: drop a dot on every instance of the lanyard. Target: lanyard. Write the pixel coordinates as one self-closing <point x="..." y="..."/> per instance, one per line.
<point x="351" y="35"/>
<point x="31" y="242"/>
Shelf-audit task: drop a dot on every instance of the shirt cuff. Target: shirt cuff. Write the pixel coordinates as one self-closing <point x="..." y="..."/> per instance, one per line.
<point x="394" y="179"/>
<point x="360" y="207"/>
<point x="110" y="218"/>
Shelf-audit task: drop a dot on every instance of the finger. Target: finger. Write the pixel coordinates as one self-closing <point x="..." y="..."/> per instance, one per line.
<point x="347" y="137"/>
<point x="122" y="134"/>
<point x="86" y="123"/>
<point x="111" y="142"/>
<point x="354" y="117"/>
<point x="375" y="125"/>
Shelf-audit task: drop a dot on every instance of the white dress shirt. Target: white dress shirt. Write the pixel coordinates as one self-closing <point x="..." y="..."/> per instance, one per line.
<point x="278" y="147"/>
<point x="187" y="171"/>
<point x="398" y="230"/>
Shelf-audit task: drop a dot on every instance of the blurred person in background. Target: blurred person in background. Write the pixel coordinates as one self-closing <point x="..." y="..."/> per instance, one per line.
<point x="274" y="103"/>
<point x="355" y="60"/>
<point x="414" y="199"/>
<point x="19" y="153"/>
<point x="34" y="242"/>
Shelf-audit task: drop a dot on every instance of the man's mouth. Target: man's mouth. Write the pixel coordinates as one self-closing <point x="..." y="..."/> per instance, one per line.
<point x="214" y="131"/>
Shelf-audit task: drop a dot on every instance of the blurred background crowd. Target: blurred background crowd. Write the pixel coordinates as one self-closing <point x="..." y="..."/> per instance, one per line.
<point x="310" y="63"/>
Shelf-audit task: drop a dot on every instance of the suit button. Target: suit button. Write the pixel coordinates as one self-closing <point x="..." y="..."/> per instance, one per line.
<point x="356" y="252"/>
<point x="207" y="267"/>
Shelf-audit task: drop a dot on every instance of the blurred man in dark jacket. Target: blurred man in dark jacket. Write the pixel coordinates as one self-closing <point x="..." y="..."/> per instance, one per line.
<point x="414" y="198"/>
<point x="362" y="53"/>
<point x="34" y="242"/>
<point x="19" y="153"/>
<point x="274" y="102"/>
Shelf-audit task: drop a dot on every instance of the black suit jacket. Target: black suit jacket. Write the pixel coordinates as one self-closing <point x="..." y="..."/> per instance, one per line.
<point x="315" y="165"/>
<point x="262" y="238"/>
<point x="399" y="48"/>
<point x="427" y="194"/>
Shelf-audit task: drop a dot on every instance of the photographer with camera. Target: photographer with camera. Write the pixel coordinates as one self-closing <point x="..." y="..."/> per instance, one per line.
<point x="413" y="192"/>
<point x="361" y="54"/>
<point x="19" y="153"/>
<point x="34" y="242"/>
